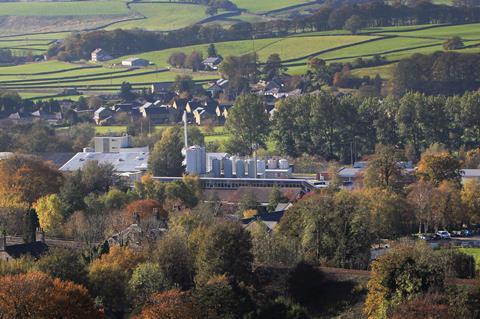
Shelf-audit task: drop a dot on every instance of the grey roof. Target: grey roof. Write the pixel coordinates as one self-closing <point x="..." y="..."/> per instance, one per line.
<point x="349" y="172"/>
<point x="214" y="60"/>
<point x="122" y="162"/>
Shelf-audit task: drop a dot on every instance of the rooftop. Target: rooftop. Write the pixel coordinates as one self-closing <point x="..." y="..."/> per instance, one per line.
<point x="122" y="162"/>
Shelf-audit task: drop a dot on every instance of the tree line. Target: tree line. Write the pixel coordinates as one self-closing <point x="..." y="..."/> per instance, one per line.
<point x="331" y="127"/>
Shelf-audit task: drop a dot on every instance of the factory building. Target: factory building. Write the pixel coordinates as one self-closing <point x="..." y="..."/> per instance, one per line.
<point x="221" y="165"/>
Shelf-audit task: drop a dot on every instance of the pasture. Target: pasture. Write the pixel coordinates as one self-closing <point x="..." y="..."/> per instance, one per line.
<point x="163" y="16"/>
<point x="259" y="6"/>
<point x="73" y="8"/>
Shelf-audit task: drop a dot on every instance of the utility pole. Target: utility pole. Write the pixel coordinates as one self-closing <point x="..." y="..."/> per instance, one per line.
<point x="184" y="118"/>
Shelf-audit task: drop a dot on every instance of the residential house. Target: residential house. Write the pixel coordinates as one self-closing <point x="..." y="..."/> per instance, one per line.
<point x="222" y="111"/>
<point x="135" y="62"/>
<point x="199" y="114"/>
<point x="211" y="64"/>
<point x="218" y="87"/>
<point x="51" y="117"/>
<point x="270" y="220"/>
<point x="102" y="115"/>
<point x="157" y="114"/>
<point x="192" y="105"/>
<point x="161" y="87"/>
<point x="100" y="55"/>
<point x="35" y="249"/>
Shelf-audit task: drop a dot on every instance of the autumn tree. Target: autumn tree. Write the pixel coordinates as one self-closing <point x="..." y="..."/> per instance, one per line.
<point x="420" y="197"/>
<point x="439" y="166"/>
<point x="146" y="208"/>
<point x="171" y="304"/>
<point x="28" y="178"/>
<point x="470" y="195"/>
<point x="36" y="295"/>
<point x="108" y="278"/>
<point x="49" y="211"/>
<point x="353" y="24"/>
<point x="166" y="157"/>
<point x="64" y="264"/>
<point x="397" y="277"/>
<point x="383" y="169"/>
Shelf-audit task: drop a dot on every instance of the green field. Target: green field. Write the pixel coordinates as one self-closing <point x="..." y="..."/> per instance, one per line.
<point x="74" y="8"/>
<point x="385" y="71"/>
<point x="475" y="252"/>
<point x="287" y="47"/>
<point x="163" y="16"/>
<point x="266" y="5"/>
<point x="466" y="31"/>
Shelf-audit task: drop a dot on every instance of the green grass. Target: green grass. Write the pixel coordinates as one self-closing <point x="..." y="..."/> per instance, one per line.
<point x="466" y="31"/>
<point x="163" y="16"/>
<point x="74" y="8"/>
<point x="385" y="71"/>
<point x="31" y="68"/>
<point x="266" y="5"/>
<point x="287" y="47"/>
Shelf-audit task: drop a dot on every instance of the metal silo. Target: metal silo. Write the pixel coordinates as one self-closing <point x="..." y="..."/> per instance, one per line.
<point x="227" y="167"/>
<point x="251" y="168"/>
<point x="240" y="168"/>
<point x="215" y="167"/>
<point x="283" y="164"/>
<point x="261" y="168"/>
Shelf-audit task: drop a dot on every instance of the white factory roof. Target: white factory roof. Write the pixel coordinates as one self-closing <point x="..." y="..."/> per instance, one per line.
<point x="122" y="162"/>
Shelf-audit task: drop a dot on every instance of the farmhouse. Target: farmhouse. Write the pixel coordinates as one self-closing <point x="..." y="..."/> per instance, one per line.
<point x="102" y="115"/>
<point x="211" y="64"/>
<point x="100" y="55"/>
<point x="135" y="62"/>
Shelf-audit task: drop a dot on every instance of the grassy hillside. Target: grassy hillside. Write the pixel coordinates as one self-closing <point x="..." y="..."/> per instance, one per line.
<point x="266" y="5"/>
<point x="163" y="16"/>
<point x="62" y="8"/>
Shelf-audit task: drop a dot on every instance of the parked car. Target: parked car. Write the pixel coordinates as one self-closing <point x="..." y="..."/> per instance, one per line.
<point x="467" y="233"/>
<point x="443" y="234"/>
<point x="457" y="233"/>
<point x="426" y="237"/>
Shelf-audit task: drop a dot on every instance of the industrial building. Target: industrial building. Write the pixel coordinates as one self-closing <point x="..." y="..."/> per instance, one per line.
<point x="221" y="165"/>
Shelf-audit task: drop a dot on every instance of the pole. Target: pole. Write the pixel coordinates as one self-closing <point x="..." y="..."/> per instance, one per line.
<point x="185" y="128"/>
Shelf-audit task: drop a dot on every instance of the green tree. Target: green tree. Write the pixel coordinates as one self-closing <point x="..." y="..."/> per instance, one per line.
<point x="248" y="123"/>
<point x="212" y="51"/>
<point x="276" y="197"/>
<point x="247" y="202"/>
<point x="184" y="83"/>
<point x="353" y="24"/>
<point x="454" y="43"/>
<point x="194" y="61"/>
<point x="224" y="249"/>
<point x="166" y="157"/>
<point x="147" y="278"/>
<point x="126" y="92"/>
<point x="272" y="66"/>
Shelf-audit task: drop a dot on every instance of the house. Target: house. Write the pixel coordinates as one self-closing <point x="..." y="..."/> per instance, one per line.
<point x="218" y="87"/>
<point x="102" y="115"/>
<point x="270" y="220"/>
<point x="51" y="117"/>
<point x="35" y="249"/>
<point x="100" y="55"/>
<point x="157" y="114"/>
<point x="211" y="64"/>
<point x="222" y="111"/>
<point x="192" y="105"/>
<point x="135" y="62"/>
<point x="199" y="114"/>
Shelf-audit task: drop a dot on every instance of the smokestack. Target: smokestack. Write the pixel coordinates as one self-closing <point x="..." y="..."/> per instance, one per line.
<point x="184" y="118"/>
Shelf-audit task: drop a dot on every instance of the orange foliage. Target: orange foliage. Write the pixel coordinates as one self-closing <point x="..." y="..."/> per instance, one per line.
<point x="36" y="295"/>
<point x="28" y="178"/>
<point x="171" y="304"/>
<point x="121" y="257"/>
<point x="145" y="208"/>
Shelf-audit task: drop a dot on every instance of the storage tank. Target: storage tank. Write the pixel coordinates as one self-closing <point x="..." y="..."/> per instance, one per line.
<point x="234" y="164"/>
<point x="240" y="168"/>
<point x="195" y="160"/>
<point x="283" y="164"/>
<point x="272" y="163"/>
<point x="227" y="168"/>
<point x="215" y="167"/>
<point x="261" y="166"/>
<point x="251" y="169"/>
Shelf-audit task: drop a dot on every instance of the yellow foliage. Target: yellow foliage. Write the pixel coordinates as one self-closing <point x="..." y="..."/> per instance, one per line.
<point x="249" y="213"/>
